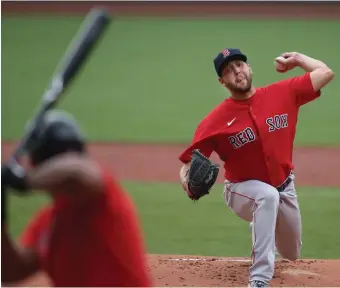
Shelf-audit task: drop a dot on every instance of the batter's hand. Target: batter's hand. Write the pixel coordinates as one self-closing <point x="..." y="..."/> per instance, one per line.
<point x="286" y="62"/>
<point x="14" y="176"/>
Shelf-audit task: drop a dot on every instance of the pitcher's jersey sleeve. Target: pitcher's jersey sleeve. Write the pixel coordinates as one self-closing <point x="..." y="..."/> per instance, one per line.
<point x="302" y="89"/>
<point x="201" y="141"/>
<point x="205" y="135"/>
<point x="206" y="147"/>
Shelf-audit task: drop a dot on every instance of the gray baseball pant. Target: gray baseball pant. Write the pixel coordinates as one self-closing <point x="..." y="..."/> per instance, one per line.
<point x="276" y="220"/>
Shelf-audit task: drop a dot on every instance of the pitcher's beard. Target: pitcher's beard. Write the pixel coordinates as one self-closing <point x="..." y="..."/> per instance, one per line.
<point x="241" y="90"/>
<point x="236" y="89"/>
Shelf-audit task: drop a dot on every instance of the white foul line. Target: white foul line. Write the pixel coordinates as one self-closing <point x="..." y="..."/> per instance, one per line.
<point x="210" y="260"/>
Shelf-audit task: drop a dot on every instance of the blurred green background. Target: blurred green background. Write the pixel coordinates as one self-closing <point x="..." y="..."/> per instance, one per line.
<point x="152" y="80"/>
<point x="156" y="76"/>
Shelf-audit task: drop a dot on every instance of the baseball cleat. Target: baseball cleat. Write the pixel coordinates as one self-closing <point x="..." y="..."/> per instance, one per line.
<point x="257" y="283"/>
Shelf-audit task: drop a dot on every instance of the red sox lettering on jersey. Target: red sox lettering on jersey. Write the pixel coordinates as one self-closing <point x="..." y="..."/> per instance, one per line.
<point x="247" y="135"/>
<point x="243" y="137"/>
<point x="254" y="137"/>
<point x="277" y="122"/>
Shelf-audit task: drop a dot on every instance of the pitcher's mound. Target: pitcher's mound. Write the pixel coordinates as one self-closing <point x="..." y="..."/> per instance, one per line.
<point x="171" y="270"/>
<point x="175" y="271"/>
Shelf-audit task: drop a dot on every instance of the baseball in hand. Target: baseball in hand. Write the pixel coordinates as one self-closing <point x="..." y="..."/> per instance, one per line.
<point x="280" y="64"/>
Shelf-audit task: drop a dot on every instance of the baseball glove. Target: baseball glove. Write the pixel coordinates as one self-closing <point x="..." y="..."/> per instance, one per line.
<point x="202" y="175"/>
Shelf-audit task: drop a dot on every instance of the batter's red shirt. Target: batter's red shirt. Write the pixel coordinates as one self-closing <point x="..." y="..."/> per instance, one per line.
<point x="97" y="243"/>
<point x="254" y="137"/>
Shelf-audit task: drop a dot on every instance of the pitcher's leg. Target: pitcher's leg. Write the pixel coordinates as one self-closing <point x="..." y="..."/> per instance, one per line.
<point x="289" y="226"/>
<point x="276" y="253"/>
<point x="258" y="202"/>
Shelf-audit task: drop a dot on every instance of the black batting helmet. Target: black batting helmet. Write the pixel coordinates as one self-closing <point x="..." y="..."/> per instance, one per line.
<point x="58" y="133"/>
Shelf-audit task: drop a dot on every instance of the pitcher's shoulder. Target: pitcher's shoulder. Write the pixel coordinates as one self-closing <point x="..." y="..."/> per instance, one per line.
<point x="279" y="83"/>
<point x="215" y="113"/>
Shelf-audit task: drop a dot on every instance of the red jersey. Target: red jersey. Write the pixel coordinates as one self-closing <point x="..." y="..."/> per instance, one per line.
<point x="254" y="137"/>
<point x="97" y="243"/>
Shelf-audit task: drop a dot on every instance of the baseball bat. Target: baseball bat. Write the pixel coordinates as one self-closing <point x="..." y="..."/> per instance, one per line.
<point x="79" y="50"/>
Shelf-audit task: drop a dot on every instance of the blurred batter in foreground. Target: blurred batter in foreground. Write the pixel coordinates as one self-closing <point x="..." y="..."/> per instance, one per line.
<point x="89" y="235"/>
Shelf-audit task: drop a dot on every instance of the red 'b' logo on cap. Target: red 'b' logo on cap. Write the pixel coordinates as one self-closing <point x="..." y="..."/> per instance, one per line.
<point x="225" y="53"/>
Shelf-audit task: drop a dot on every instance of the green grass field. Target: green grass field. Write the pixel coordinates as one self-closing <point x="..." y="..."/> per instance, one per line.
<point x="156" y="76"/>
<point x="209" y="227"/>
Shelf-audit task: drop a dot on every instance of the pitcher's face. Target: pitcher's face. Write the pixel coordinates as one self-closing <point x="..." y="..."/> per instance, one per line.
<point x="237" y="76"/>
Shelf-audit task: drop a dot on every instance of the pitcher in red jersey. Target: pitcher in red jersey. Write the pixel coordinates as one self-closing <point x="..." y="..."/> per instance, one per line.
<point x="89" y="235"/>
<point x="253" y="132"/>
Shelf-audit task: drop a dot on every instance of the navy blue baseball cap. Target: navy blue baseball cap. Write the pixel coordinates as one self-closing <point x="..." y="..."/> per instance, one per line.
<point x="225" y="56"/>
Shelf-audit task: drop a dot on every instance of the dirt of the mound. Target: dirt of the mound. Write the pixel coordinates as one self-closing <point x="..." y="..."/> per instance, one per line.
<point x="178" y="271"/>
<point x="171" y="270"/>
